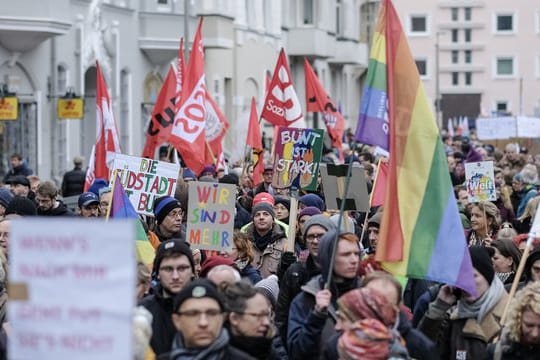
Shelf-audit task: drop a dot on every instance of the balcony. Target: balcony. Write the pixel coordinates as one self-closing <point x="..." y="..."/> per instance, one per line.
<point x="25" y="24"/>
<point x="310" y="41"/>
<point x="350" y="52"/>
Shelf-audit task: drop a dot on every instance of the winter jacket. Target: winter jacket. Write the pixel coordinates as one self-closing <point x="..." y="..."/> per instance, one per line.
<point x="163" y="330"/>
<point x="267" y="261"/>
<point x="297" y="275"/>
<point x="19" y="170"/>
<point x="506" y="349"/>
<point x="527" y="194"/>
<point x="156" y="238"/>
<point x="242" y="216"/>
<point x="261" y="348"/>
<point x="73" y="182"/>
<point x="250" y="273"/>
<point x="60" y="210"/>
<point x="464" y="339"/>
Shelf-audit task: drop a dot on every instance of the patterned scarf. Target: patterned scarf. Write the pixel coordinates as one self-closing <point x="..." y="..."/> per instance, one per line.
<point x="214" y="351"/>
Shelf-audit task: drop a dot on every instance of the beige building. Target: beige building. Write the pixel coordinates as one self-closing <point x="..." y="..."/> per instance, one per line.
<point x="48" y="47"/>
<point x="487" y="53"/>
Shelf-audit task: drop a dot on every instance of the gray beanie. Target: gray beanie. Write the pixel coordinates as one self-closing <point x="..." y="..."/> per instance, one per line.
<point x="321" y="220"/>
<point x="263" y="206"/>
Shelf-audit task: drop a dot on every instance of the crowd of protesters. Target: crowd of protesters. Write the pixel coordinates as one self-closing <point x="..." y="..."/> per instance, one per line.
<point x="261" y="300"/>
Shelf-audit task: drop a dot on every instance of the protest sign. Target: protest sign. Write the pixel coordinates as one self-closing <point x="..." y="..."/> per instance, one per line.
<point x="297" y="154"/>
<point x="528" y="127"/>
<point x="210" y="218"/>
<point x="496" y="128"/>
<point x="72" y="289"/>
<point x="480" y="181"/>
<point x="333" y="181"/>
<point x="144" y="180"/>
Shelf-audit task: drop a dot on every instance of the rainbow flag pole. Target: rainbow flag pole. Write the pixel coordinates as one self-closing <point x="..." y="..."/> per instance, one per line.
<point x="421" y="235"/>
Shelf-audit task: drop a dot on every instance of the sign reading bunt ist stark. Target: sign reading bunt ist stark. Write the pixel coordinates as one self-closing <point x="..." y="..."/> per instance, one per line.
<point x="296" y="158"/>
<point x="210" y="218"/>
<point x="72" y="289"/>
<point x="144" y="180"/>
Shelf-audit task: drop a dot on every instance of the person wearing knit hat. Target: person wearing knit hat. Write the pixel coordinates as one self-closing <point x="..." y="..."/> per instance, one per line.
<point x="174" y="268"/>
<point x="5" y="198"/>
<point x="168" y="216"/>
<point x="188" y="175"/>
<point x="208" y="170"/>
<point x="311" y="200"/>
<point x="282" y="206"/>
<point x="313" y="310"/>
<point x="373" y="226"/>
<point x="21" y="205"/>
<point x="474" y="318"/>
<point x="214" y="261"/>
<point x="263" y="197"/>
<point x="270" y="288"/>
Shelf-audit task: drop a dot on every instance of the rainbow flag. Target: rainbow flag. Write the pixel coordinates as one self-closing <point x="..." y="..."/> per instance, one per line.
<point x="121" y="208"/>
<point x="421" y="234"/>
<point x="372" y="127"/>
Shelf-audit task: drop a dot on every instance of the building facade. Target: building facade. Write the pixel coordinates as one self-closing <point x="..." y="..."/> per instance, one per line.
<point x="479" y="57"/>
<point x="50" y="47"/>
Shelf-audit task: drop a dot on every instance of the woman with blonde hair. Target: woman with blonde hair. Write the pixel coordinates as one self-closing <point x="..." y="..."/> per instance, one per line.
<point x="485" y="221"/>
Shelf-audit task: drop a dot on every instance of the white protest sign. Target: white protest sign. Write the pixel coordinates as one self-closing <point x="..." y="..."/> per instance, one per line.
<point x="144" y="180"/>
<point x="528" y="127"/>
<point x="480" y="181"/>
<point x="210" y="218"/>
<point x="496" y="128"/>
<point x="72" y="289"/>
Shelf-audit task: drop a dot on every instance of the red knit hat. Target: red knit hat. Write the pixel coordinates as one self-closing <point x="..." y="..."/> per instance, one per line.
<point x="214" y="261"/>
<point x="263" y="197"/>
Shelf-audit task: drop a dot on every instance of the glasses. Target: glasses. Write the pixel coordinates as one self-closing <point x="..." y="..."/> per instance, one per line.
<point x="259" y="316"/>
<point x="173" y="214"/>
<point x="312" y="237"/>
<point x="196" y="314"/>
<point x="171" y="269"/>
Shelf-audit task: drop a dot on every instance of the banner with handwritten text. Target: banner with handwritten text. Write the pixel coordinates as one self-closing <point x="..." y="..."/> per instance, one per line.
<point x="144" y="180"/>
<point x="480" y="181"/>
<point x="210" y="218"/>
<point x="296" y="158"/>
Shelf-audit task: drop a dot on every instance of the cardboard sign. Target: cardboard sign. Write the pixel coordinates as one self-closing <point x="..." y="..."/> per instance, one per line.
<point x="72" y="289"/>
<point x="333" y="181"/>
<point x="210" y="218"/>
<point x="480" y="181"/>
<point x="296" y="158"/>
<point x="144" y="180"/>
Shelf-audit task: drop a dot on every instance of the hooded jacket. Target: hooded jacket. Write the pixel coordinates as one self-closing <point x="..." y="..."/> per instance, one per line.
<point x="60" y="210"/>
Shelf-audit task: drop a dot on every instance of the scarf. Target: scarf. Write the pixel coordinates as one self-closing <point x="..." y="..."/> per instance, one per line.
<point x="503" y="276"/>
<point x="484" y="304"/>
<point x="214" y="351"/>
<point x="261" y="242"/>
<point x="474" y="241"/>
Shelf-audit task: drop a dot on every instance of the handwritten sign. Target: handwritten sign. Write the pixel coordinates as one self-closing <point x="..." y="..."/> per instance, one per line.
<point x="145" y="180"/>
<point x="210" y="219"/>
<point x="496" y="128"/>
<point x="480" y="181"/>
<point x="333" y="180"/>
<point x="72" y="289"/>
<point x="296" y="158"/>
<point x="528" y="127"/>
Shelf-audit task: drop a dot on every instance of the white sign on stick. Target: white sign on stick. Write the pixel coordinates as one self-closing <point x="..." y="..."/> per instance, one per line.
<point x="528" y="127"/>
<point x="72" y="289"/>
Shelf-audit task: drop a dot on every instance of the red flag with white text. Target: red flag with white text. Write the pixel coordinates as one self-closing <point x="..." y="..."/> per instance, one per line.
<point x="317" y="100"/>
<point x="188" y="131"/>
<point x="107" y="132"/>
<point x="281" y="105"/>
<point x="216" y="126"/>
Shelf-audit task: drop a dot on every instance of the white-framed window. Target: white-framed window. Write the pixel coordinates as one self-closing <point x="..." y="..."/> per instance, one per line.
<point x="418" y="25"/>
<point x="505" y="66"/>
<point x="455" y="56"/>
<point x="468" y="56"/>
<point x="455" y="78"/>
<point x="505" y="23"/>
<point x="468" y="13"/>
<point x="468" y="78"/>
<point x="454" y="13"/>
<point x="308" y="12"/>
<point x="422" y="66"/>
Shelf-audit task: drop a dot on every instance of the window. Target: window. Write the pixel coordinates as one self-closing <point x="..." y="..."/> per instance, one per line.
<point x="163" y="2"/>
<point x="501" y="106"/>
<point x="455" y="56"/>
<point x="468" y="78"/>
<point x="308" y="12"/>
<point x="421" y="64"/>
<point x="338" y="18"/>
<point x="418" y="24"/>
<point x="455" y="78"/>
<point x="468" y="56"/>
<point x="468" y="14"/>
<point x="504" y="23"/>
<point x="468" y="33"/>
<point x="455" y="36"/>
<point x="504" y="66"/>
<point x="454" y="14"/>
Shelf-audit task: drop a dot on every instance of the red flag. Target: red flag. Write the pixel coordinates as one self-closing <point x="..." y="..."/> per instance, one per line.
<point x="216" y="126"/>
<point x="187" y="134"/>
<point x="379" y="184"/>
<point x="180" y="73"/>
<point x="281" y="104"/>
<point x="107" y="133"/>
<point x="159" y="126"/>
<point x="254" y="140"/>
<point x="317" y="100"/>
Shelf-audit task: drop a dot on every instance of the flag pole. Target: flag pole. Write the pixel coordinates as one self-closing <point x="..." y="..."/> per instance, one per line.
<point x="340" y="220"/>
<point x="113" y="181"/>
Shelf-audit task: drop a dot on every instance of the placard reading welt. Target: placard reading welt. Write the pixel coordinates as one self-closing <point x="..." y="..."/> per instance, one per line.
<point x="72" y="289"/>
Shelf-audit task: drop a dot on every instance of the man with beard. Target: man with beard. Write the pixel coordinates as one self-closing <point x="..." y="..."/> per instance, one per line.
<point x="168" y="215"/>
<point x="174" y="268"/>
<point x="48" y="204"/>
<point x="89" y="205"/>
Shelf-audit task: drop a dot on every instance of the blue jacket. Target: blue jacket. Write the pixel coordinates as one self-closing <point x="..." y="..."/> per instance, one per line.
<point x="250" y="273"/>
<point x="528" y="193"/>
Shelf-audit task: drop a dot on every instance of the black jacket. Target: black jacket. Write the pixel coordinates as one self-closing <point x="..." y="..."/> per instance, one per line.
<point x="19" y="170"/>
<point x="60" y="210"/>
<point x="506" y="349"/>
<point x="163" y="330"/>
<point x="73" y="182"/>
<point x="260" y="348"/>
<point x="231" y="353"/>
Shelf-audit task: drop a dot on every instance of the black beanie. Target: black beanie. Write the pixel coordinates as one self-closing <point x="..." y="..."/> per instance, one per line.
<point x="229" y="179"/>
<point x="172" y="247"/>
<point x="282" y="200"/>
<point x="163" y="206"/>
<point x="22" y="206"/>
<point x="262" y="207"/>
<point x="197" y="289"/>
<point x="481" y="261"/>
